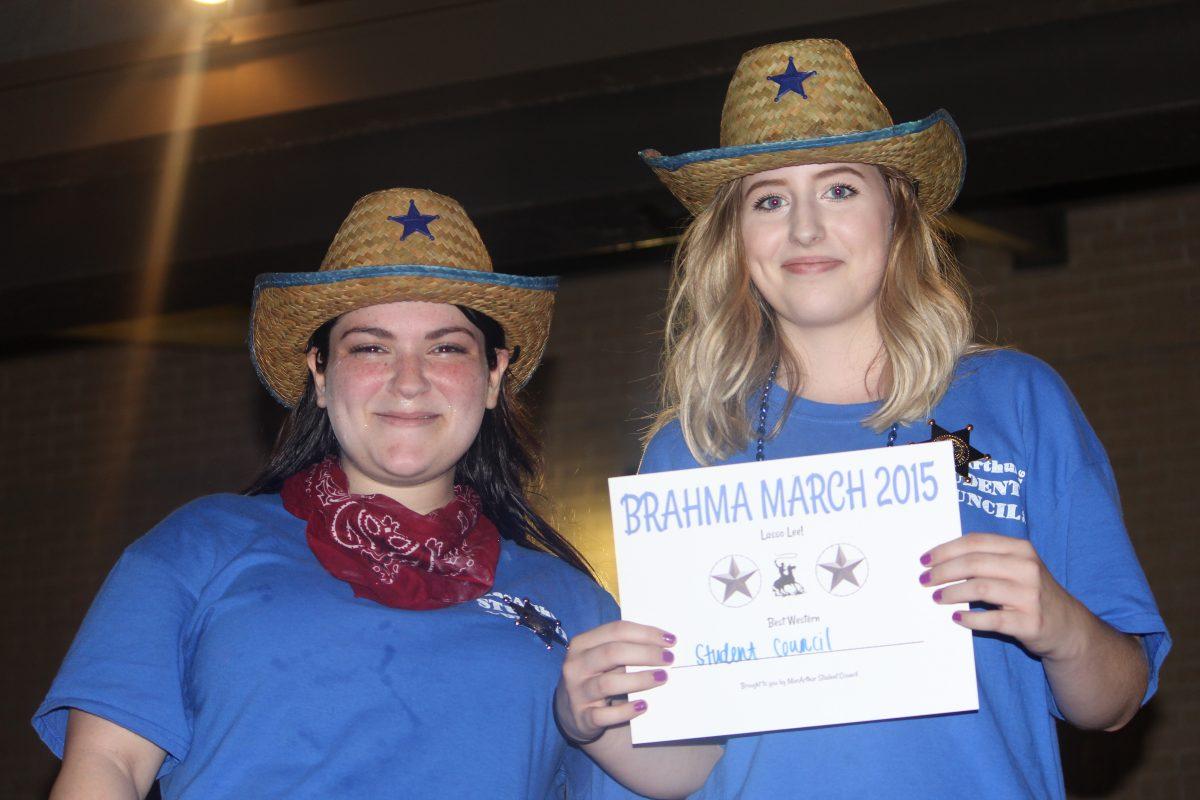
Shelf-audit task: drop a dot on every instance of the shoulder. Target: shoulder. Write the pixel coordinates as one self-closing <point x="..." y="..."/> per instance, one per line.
<point x="1028" y="382"/>
<point x="1010" y="368"/>
<point x="549" y="567"/>
<point x="559" y="582"/>
<point x="667" y="450"/>
<point x="1052" y="422"/>
<point x="228" y="508"/>
<point x="221" y="514"/>
<point x="209" y="530"/>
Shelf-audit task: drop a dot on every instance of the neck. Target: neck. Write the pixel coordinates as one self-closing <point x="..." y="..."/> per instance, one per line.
<point x="421" y="498"/>
<point x="840" y="364"/>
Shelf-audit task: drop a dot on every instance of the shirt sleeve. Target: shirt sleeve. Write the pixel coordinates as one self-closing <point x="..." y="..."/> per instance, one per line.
<point x="1102" y="570"/>
<point x="127" y="661"/>
<point x="1077" y="526"/>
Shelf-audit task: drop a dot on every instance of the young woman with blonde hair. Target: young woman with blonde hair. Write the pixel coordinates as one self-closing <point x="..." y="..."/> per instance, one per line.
<point x="815" y="308"/>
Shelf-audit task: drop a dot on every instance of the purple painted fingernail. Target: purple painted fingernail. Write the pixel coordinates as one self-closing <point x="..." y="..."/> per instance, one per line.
<point x="639" y="706"/>
<point x="668" y="657"/>
<point x="925" y="559"/>
<point x="660" y="675"/>
<point x="925" y="577"/>
<point x="937" y="596"/>
<point x="669" y="638"/>
<point x="956" y="616"/>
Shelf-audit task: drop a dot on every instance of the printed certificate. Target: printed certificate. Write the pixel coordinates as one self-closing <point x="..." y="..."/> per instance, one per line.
<point x="793" y="588"/>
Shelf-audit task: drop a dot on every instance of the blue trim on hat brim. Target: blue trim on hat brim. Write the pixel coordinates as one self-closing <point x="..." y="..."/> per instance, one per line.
<point x="266" y="384"/>
<point x="674" y="163"/>
<point x="276" y="280"/>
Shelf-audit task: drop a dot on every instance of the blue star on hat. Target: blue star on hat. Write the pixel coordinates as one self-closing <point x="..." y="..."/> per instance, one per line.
<point x="791" y="80"/>
<point x="414" y="221"/>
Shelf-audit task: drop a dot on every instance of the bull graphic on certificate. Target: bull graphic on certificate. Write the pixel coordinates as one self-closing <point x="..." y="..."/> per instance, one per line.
<point x="792" y="586"/>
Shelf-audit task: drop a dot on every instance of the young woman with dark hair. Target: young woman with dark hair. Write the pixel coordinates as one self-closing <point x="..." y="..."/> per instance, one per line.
<point x="383" y="613"/>
<point x="502" y="461"/>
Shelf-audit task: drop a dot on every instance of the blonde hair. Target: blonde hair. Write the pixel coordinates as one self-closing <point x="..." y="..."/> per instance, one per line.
<point x="721" y="336"/>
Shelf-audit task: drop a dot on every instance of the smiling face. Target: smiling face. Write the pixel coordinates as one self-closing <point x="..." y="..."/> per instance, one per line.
<point x="405" y="387"/>
<point x="815" y="239"/>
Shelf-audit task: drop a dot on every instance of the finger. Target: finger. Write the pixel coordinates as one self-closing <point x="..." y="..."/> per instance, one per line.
<point x="614" y="655"/>
<point x="975" y="543"/>
<point x="1025" y="571"/>
<point x="616" y="714"/>
<point x="993" y="591"/>
<point x="611" y="658"/>
<point x="998" y="621"/>
<point x="617" y="683"/>
<point x="621" y="631"/>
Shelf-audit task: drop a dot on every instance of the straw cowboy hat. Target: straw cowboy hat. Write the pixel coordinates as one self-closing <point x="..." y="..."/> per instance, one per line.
<point x="805" y="102"/>
<point x="397" y="244"/>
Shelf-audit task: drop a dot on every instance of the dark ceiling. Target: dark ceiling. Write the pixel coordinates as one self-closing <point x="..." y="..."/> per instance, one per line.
<point x="1056" y="100"/>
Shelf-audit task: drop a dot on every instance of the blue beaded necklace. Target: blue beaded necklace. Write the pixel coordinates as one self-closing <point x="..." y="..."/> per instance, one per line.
<point x="764" y="406"/>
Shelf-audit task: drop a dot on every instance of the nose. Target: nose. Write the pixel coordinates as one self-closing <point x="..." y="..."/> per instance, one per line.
<point x="806" y="225"/>
<point x="408" y="376"/>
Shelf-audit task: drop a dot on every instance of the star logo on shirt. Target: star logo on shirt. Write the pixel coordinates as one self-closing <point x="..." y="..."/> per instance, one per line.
<point x="791" y="80"/>
<point x="414" y="221"/>
<point x="844" y="569"/>
<point x="545" y="625"/>
<point x="737" y="581"/>
<point x="964" y="452"/>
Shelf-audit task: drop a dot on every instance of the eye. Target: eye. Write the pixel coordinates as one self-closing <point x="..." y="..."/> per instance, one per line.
<point x="368" y="348"/>
<point x="448" y="347"/>
<point x="840" y="191"/>
<point x="769" y="202"/>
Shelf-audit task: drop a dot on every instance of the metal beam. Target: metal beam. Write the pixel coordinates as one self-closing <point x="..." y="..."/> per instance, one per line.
<point x="549" y="169"/>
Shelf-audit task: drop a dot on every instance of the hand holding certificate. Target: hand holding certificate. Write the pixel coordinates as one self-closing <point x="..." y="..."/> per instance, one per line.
<point x="792" y="586"/>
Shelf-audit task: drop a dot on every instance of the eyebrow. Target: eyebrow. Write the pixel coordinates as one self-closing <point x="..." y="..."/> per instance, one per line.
<point x="383" y="333"/>
<point x="440" y="332"/>
<point x="380" y="332"/>
<point x="825" y="173"/>
<point x="765" y="182"/>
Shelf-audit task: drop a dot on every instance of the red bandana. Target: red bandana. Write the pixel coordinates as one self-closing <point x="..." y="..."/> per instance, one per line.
<point x="389" y="553"/>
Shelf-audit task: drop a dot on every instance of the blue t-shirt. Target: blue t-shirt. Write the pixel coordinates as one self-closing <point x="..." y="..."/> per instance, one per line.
<point x="1048" y="481"/>
<point x="220" y="638"/>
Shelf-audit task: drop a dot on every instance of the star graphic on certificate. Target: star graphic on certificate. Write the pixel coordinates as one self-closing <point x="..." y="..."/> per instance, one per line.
<point x="841" y="569"/>
<point x="735" y="579"/>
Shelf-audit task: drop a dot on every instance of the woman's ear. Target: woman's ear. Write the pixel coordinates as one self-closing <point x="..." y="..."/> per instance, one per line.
<point x="494" y="378"/>
<point x="318" y="375"/>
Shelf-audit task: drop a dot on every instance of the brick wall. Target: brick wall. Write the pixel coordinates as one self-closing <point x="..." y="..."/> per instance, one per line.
<point x="77" y="492"/>
<point x="1117" y="320"/>
<point x="596" y="392"/>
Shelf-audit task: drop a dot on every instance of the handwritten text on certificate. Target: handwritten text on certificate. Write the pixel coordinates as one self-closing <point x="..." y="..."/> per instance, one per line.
<point x="792" y="586"/>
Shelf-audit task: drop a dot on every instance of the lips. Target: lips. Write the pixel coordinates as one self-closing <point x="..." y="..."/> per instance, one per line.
<point x="811" y="265"/>
<point x="408" y="419"/>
